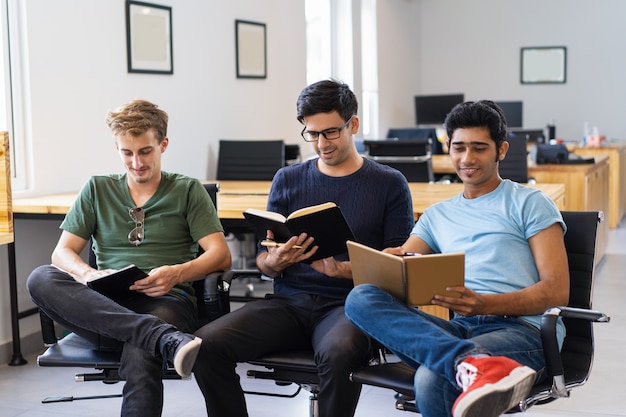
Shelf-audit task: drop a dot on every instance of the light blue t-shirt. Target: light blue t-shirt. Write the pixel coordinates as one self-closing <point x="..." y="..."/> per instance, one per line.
<point x="493" y="231"/>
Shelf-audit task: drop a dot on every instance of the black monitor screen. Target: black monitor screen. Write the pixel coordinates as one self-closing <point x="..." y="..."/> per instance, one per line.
<point x="432" y="110"/>
<point x="513" y="112"/>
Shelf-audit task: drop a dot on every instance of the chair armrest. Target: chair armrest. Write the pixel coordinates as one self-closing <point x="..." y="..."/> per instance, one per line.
<point x="228" y="276"/>
<point x="549" y="341"/>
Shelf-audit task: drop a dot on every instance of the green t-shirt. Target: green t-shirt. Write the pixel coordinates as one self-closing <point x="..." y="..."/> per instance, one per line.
<point x="178" y="214"/>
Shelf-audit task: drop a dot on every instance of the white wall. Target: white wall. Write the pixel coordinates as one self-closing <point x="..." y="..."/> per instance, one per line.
<point x="448" y="46"/>
<point x="77" y="55"/>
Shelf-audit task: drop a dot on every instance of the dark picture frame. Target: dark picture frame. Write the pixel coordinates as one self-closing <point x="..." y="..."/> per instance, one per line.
<point x="543" y="65"/>
<point x="149" y="38"/>
<point x="251" y="49"/>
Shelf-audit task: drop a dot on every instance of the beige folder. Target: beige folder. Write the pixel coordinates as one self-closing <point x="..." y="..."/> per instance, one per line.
<point x="411" y="279"/>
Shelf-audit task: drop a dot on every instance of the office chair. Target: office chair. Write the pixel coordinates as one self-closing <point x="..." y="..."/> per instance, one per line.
<point x="418" y="133"/>
<point x="249" y="160"/>
<point x="76" y="351"/>
<point x="292" y="154"/>
<point x="514" y="166"/>
<point x="412" y="157"/>
<point x="566" y="369"/>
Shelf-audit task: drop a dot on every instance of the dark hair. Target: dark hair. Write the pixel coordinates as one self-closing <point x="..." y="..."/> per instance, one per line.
<point x="137" y="117"/>
<point x="483" y="113"/>
<point x="327" y="96"/>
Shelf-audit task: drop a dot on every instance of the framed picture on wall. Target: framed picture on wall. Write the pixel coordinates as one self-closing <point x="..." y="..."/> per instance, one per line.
<point x="251" y="55"/>
<point x="149" y="38"/>
<point x="543" y="65"/>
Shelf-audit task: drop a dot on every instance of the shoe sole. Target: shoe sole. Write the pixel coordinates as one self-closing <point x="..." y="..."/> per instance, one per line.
<point x="186" y="357"/>
<point x="491" y="400"/>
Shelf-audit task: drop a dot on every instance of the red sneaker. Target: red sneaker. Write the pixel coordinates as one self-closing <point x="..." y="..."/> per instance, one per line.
<point x="491" y="385"/>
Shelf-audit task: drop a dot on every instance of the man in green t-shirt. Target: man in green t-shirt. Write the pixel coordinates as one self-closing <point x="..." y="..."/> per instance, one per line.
<point x="155" y="220"/>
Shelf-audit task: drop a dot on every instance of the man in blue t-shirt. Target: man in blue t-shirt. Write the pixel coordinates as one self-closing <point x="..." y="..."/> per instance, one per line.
<point x="306" y="310"/>
<point x="486" y="358"/>
<point x="155" y="220"/>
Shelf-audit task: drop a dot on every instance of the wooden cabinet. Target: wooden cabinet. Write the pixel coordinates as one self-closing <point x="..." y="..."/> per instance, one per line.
<point x="617" y="178"/>
<point x="586" y="189"/>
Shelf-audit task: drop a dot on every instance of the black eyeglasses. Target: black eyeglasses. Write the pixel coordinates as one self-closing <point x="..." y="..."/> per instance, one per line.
<point x="136" y="235"/>
<point x="329" y="134"/>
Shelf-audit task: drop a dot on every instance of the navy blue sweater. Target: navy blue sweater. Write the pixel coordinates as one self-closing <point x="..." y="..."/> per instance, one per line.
<point x="375" y="200"/>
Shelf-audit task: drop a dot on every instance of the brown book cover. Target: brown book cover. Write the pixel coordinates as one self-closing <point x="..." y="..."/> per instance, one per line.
<point x="324" y="222"/>
<point x="115" y="286"/>
<point x="413" y="280"/>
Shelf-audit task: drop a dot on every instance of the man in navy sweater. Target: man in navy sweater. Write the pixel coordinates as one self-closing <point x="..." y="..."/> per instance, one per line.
<point x="306" y="310"/>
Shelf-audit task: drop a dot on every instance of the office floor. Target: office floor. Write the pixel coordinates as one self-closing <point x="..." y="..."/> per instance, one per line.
<point x="22" y="388"/>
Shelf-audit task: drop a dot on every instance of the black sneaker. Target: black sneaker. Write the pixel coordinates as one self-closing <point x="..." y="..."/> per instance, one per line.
<point x="180" y="350"/>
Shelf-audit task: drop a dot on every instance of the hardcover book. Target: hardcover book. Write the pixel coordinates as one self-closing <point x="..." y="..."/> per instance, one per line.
<point x="324" y="222"/>
<point x="413" y="280"/>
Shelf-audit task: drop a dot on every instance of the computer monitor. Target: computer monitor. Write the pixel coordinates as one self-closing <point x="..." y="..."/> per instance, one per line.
<point x="513" y="112"/>
<point x="531" y="135"/>
<point x="433" y="109"/>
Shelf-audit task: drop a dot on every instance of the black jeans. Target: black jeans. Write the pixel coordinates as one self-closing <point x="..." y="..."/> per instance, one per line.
<point x="280" y="323"/>
<point x="138" y="323"/>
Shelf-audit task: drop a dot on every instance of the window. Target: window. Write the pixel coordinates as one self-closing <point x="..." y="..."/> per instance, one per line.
<point x="317" y="40"/>
<point x="13" y="108"/>
<point x="331" y="51"/>
<point x="369" y="69"/>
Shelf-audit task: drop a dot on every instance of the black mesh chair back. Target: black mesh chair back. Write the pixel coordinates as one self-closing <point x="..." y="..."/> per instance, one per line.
<point x="514" y="166"/>
<point x="576" y="354"/>
<point x="412" y="157"/>
<point x="418" y="133"/>
<point x="250" y="159"/>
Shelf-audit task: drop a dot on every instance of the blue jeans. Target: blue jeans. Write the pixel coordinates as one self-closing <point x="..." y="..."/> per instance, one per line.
<point x="138" y="323"/>
<point x="435" y="346"/>
<point x="280" y="323"/>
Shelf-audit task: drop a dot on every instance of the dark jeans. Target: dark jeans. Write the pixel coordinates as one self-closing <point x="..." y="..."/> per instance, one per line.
<point x="138" y="323"/>
<point x="277" y="324"/>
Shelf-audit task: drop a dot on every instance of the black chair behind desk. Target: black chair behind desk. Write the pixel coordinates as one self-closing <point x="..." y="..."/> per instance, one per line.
<point x="567" y="369"/>
<point x="292" y="154"/>
<point x="75" y="351"/>
<point x="418" y="133"/>
<point x="514" y="166"/>
<point x="412" y="157"/>
<point x="249" y="160"/>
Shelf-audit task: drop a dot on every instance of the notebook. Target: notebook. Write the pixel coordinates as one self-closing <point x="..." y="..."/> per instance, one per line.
<point x="411" y="279"/>
<point x="115" y="286"/>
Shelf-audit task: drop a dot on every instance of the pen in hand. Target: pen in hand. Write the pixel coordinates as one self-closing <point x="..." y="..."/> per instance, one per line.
<point x="272" y="244"/>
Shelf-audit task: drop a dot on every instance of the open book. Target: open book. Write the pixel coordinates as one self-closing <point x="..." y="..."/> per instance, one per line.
<point x="115" y="285"/>
<point x="324" y="222"/>
<point x="411" y="279"/>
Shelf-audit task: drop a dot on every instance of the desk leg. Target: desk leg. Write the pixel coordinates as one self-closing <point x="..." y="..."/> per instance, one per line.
<point x="17" y="359"/>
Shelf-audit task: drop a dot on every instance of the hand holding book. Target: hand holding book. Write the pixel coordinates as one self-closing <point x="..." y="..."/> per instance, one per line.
<point x="325" y="223"/>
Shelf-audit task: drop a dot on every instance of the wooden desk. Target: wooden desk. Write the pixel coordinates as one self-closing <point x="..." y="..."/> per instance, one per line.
<point x="442" y="164"/>
<point x="586" y="189"/>
<point x="617" y="178"/>
<point x="236" y="196"/>
<point x="426" y="194"/>
<point x="244" y="187"/>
